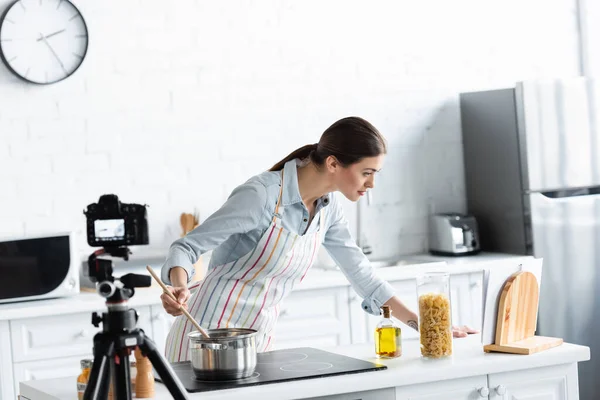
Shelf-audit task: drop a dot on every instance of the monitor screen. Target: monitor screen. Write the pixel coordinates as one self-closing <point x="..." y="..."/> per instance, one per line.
<point x="109" y="229"/>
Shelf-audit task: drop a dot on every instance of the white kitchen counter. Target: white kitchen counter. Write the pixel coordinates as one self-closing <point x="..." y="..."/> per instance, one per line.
<point x="468" y="360"/>
<point x="316" y="278"/>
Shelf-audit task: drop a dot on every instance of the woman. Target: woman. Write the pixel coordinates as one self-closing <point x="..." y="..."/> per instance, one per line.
<point x="266" y="236"/>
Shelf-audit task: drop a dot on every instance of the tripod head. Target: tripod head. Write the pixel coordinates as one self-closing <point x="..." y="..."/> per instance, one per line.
<point x="116" y="294"/>
<point x="100" y="271"/>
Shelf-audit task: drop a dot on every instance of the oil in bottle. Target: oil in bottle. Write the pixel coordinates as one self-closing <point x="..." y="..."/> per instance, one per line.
<point x="388" y="336"/>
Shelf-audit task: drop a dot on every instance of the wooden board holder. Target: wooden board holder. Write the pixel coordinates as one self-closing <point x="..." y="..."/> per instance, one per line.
<point x="517" y="315"/>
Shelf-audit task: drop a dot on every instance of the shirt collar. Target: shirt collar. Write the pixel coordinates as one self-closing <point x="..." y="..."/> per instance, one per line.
<point x="291" y="191"/>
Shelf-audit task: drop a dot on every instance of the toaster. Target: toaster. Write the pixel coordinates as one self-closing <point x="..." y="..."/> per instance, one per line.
<point x="453" y="234"/>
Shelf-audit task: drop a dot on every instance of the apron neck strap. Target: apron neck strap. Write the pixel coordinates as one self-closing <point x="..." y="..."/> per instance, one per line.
<point x="321" y="222"/>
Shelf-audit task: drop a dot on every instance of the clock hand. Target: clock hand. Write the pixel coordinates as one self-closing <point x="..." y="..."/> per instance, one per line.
<point x="50" y="35"/>
<point x="16" y="39"/>
<point x="42" y="38"/>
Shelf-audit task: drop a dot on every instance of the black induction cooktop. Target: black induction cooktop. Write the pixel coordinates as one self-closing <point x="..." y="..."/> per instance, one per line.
<point x="280" y="366"/>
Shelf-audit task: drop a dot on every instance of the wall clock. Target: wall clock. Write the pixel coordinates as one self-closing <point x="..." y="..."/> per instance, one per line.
<point x="43" y="41"/>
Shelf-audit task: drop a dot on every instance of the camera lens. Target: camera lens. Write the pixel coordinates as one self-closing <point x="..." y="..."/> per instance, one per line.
<point x="106" y="289"/>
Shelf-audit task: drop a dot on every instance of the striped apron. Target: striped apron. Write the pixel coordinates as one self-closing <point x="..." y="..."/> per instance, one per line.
<point x="247" y="292"/>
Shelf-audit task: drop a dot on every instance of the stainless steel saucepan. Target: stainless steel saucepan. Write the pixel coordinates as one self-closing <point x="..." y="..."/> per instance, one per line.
<point x="229" y="353"/>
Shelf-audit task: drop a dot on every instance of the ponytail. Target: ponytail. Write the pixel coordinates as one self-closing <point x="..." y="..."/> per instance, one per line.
<point x="349" y="140"/>
<point x="301" y="153"/>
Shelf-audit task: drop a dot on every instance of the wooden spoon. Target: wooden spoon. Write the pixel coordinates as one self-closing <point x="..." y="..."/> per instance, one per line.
<point x="187" y="314"/>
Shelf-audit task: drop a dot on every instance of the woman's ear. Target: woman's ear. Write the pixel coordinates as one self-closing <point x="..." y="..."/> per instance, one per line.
<point x="332" y="164"/>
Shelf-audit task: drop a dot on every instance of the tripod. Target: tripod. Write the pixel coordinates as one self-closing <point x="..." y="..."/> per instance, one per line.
<point x="119" y="336"/>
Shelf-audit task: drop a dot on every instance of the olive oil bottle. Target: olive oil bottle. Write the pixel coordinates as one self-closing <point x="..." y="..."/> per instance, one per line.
<point x="388" y="336"/>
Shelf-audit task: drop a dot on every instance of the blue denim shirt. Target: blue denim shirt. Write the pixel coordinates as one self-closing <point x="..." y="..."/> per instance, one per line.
<point x="238" y="225"/>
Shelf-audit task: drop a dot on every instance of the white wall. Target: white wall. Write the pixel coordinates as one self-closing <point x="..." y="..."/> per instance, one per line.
<point x="589" y="16"/>
<point x="179" y="102"/>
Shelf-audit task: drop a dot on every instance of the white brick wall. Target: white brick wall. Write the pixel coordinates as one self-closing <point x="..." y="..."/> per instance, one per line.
<point x="177" y="103"/>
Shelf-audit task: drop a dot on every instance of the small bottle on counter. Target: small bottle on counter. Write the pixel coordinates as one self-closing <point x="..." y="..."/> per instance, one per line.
<point x="144" y="379"/>
<point x="82" y="379"/>
<point x="388" y="336"/>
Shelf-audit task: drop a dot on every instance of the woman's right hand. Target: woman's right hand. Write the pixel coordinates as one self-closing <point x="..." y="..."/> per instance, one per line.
<point x="181" y="293"/>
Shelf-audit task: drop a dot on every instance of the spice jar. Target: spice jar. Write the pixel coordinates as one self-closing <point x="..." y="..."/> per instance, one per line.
<point x="144" y="379"/>
<point x="435" y="314"/>
<point x="82" y="379"/>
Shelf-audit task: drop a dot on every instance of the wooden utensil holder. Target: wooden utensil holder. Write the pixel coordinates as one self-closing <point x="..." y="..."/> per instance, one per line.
<point x="517" y="315"/>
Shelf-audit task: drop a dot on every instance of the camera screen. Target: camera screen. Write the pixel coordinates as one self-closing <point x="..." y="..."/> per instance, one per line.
<point x="109" y="229"/>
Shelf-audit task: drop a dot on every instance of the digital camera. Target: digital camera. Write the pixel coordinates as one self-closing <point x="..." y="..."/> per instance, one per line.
<point x="111" y="223"/>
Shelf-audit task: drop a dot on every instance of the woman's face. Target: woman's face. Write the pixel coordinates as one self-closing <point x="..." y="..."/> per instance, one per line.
<point x="354" y="181"/>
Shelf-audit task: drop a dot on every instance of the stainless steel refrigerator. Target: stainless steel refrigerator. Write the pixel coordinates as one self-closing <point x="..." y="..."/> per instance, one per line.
<point x="532" y="168"/>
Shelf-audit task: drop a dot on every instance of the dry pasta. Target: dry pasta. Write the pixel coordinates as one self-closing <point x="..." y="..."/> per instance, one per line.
<point x="435" y="325"/>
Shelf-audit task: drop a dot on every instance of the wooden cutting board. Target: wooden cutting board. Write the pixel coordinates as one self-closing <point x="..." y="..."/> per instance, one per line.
<point x="517" y="317"/>
<point x="517" y="310"/>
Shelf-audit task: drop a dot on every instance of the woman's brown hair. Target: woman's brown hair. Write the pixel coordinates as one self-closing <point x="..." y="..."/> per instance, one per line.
<point x="349" y="140"/>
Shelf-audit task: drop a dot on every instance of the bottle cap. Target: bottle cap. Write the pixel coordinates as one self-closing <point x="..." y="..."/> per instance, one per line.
<point x="386" y="311"/>
<point x="86" y="363"/>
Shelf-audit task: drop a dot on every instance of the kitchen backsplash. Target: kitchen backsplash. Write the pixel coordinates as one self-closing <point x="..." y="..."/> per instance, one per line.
<point x="176" y="104"/>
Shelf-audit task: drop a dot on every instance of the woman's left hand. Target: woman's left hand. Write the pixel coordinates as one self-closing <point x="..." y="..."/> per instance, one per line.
<point x="462" y="331"/>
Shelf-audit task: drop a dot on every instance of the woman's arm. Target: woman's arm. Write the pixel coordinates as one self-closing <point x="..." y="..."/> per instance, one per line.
<point x="403" y="313"/>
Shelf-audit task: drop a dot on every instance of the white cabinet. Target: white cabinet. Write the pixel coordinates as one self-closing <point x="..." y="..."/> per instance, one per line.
<point x="471" y="388"/>
<point x="52" y="346"/>
<point x="7" y="391"/>
<point x="315" y="318"/>
<point x="466" y="296"/>
<point x="557" y="382"/>
<point x="50" y="337"/>
<point x="161" y="324"/>
<point x="56" y="336"/>
<point x="380" y="394"/>
<point x="550" y="383"/>
<point x="47" y="369"/>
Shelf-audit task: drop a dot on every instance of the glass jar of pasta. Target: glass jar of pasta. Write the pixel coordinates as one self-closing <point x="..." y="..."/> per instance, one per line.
<point x="435" y="314"/>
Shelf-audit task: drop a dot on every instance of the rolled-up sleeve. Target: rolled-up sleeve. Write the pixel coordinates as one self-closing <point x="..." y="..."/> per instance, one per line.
<point x="240" y="213"/>
<point x="354" y="264"/>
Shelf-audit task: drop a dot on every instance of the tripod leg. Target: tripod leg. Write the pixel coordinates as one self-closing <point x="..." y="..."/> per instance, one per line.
<point x="163" y="368"/>
<point x="123" y="377"/>
<point x="97" y="387"/>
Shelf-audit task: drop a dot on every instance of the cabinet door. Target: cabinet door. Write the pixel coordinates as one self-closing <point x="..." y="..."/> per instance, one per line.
<point x="313" y="318"/>
<point x="6" y="368"/>
<point x="380" y="394"/>
<point x="466" y="296"/>
<point x="47" y="369"/>
<point x="59" y="335"/>
<point x="52" y="348"/>
<point x="161" y="324"/>
<point x="550" y="383"/>
<point x="472" y="388"/>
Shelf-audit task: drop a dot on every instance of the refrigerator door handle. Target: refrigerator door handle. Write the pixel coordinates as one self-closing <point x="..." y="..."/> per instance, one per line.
<point x="570" y="193"/>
